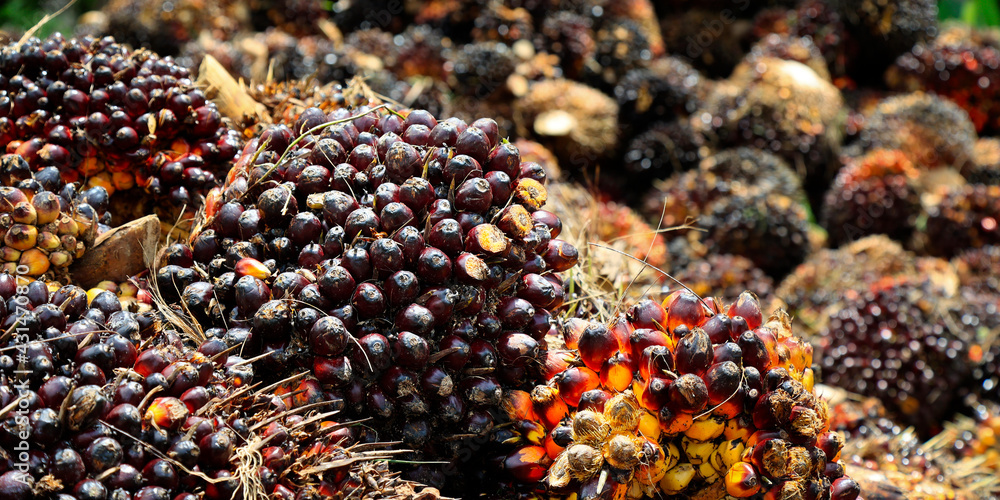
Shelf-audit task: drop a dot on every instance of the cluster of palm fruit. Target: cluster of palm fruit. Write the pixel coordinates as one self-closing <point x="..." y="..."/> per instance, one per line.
<point x="917" y="332"/>
<point x="687" y="399"/>
<point x="873" y="194"/>
<point x="890" y="460"/>
<point x="407" y="262"/>
<point x="750" y="201"/>
<point x="46" y="223"/>
<point x="100" y="402"/>
<point x="960" y="64"/>
<point x="111" y="117"/>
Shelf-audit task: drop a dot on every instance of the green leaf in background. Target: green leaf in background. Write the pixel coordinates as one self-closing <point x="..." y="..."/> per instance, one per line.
<point x="23" y="14"/>
<point x="971" y="12"/>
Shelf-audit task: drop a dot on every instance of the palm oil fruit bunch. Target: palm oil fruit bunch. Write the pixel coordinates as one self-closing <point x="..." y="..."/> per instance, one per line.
<point x="957" y="65"/>
<point x="901" y="341"/>
<point x="103" y="403"/>
<point x="874" y="194"/>
<point x="111" y="117"/>
<point x="781" y="106"/>
<point x="726" y="276"/>
<point x="819" y="283"/>
<point x="688" y="194"/>
<point x="406" y="261"/>
<point x="64" y="403"/>
<point x="747" y="200"/>
<point x="45" y="223"/>
<point x="818" y="21"/>
<point x="961" y="218"/>
<point x="913" y="122"/>
<point x="685" y="400"/>
<point x="884" y="30"/>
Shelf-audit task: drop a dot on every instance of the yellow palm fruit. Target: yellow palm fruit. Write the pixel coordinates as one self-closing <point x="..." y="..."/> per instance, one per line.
<point x="21" y="237"/>
<point x="738" y="428"/>
<point x="36" y="261"/>
<point x="808" y="379"/>
<point x="698" y="452"/>
<point x="707" y="472"/>
<point x="48" y="241"/>
<point x="677" y="479"/>
<point x="706" y="428"/>
<point x="649" y="426"/>
<point x="727" y="454"/>
<point x="673" y="455"/>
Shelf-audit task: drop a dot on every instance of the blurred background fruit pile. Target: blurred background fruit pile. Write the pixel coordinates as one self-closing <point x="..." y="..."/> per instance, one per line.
<point x="302" y="249"/>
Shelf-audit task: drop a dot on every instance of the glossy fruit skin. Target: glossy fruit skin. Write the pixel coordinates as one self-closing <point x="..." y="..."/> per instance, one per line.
<point x="704" y="404"/>
<point x="373" y="260"/>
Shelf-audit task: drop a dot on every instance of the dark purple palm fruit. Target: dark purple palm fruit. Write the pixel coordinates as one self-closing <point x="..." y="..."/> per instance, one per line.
<point x="960" y="57"/>
<point x="769" y="229"/>
<point x="874" y="194"/>
<point x="404" y="284"/>
<point x="960" y="218"/>
<point x="904" y="342"/>
<point x="720" y="175"/>
<point x="46" y="224"/>
<point x="620" y="46"/>
<point x="661" y="150"/>
<point x="884" y="31"/>
<point x="737" y="195"/>
<point x="666" y="88"/>
<point x="168" y="419"/>
<point x="110" y="117"/>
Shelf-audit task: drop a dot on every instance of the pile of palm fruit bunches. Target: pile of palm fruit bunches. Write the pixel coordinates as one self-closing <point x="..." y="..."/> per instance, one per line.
<point x="534" y="249"/>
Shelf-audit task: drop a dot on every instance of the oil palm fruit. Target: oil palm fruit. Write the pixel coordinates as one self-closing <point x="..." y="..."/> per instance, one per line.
<point x="660" y="151"/>
<point x="107" y="116"/>
<point x="111" y="404"/>
<point x="913" y="122"/>
<point x="817" y="285"/>
<point x="959" y="218"/>
<point x="46" y="223"/>
<point x="820" y="22"/>
<point x="885" y="30"/>
<point x="726" y="276"/>
<point x="408" y="262"/>
<point x="746" y="199"/>
<point x="959" y="58"/>
<point x="905" y="342"/>
<point x="874" y="194"/>
<point x="686" y="398"/>
<point x="689" y="194"/>
<point x="791" y="48"/>
<point x="781" y="106"/>
<point x="578" y="123"/>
